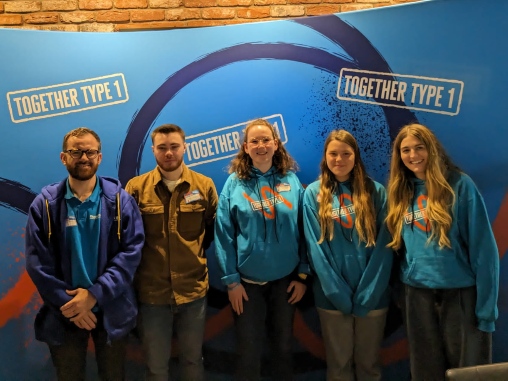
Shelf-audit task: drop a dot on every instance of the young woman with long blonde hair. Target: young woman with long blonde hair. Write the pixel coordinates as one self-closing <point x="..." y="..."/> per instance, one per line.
<point x="344" y="214"/>
<point x="449" y="258"/>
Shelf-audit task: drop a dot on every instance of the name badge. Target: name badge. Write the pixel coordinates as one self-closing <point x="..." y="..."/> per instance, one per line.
<point x="283" y="187"/>
<point x="193" y="196"/>
<point x="71" y="221"/>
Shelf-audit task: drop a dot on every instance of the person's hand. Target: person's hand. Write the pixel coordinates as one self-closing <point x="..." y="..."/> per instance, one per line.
<point x="88" y="321"/>
<point x="237" y="295"/>
<point x="82" y="302"/>
<point x="298" y="290"/>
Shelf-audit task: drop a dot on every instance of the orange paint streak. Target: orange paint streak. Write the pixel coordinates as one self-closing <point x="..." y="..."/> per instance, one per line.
<point x="12" y="304"/>
<point x="500" y="226"/>
<point x="219" y="322"/>
<point x="395" y="353"/>
<point x="305" y="336"/>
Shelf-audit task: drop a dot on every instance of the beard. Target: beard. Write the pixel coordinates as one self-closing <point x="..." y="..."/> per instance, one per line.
<point x="172" y="166"/>
<point x="82" y="171"/>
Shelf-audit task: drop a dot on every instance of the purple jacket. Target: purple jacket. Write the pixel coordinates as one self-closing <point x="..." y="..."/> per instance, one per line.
<point x="48" y="261"/>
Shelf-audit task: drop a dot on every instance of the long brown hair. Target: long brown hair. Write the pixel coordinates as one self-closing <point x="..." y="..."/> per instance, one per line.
<point x="282" y="160"/>
<point x="362" y="187"/>
<point x="440" y="195"/>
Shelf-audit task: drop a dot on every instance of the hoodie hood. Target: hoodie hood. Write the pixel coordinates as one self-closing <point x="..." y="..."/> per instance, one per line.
<point x="110" y="188"/>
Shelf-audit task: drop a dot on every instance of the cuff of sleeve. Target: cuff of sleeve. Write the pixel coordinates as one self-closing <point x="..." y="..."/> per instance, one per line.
<point x="229" y="279"/>
<point x="486" y="326"/>
<point x="303" y="268"/>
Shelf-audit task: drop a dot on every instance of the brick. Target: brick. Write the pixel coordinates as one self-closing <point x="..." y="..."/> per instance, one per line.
<point x="1" y="7"/>
<point x="304" y="1"/>
<point x="77" y="17"/>
<point x="354" y="7"/>
<point x="199" y="3"/>
<point x="218" y="13"/>
<point x="145" y="26"/>
<point x="41" y="18"/>
<point x="11" y="20"/>
<point x="112" y="16"/>
<point x="183" y="14"/>
<point x="317" y="10"/>
<point x="123" y="4"/>
<point x="60" y="28"/>
<point x="233" y="3"/>
<point x="270" y="2"/>
<point x="287" y="11"/>
<point x="22" y="6"/>
<point x="253" y="13"/>
<point x="91" y="5"/>
<point x="337" y="1"/>
<point x="96" y="28"/>
<point x="148" y="15"/>
<point x="371" y="1"/>
<point x="164" y="3"/>
<point x="59" y="5"/>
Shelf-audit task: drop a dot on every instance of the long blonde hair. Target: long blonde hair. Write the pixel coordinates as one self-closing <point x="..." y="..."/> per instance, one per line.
<point x="440" y="195"/>
<point x="282" y="160"/>
<point x="362" y="188"/>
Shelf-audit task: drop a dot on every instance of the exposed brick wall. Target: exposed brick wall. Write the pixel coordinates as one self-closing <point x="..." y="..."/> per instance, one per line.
<point x="117" y="15"/>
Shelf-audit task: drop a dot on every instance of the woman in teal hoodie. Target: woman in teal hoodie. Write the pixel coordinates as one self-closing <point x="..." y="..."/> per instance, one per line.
<point x="449" y="258"/>
<point x="260" y="249"/>
<point x="344" y="214"/>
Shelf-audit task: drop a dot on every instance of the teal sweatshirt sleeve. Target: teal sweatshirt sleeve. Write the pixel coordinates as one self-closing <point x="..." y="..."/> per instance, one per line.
<point x="374" y="282"/>
<point x="476" y="231"/>
<point x="225" y="241"/>
<point x="333" y="284"/>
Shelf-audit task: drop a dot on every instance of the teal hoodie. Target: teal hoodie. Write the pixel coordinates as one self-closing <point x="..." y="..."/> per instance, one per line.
<point x="258" y="231"/>
<point x="472" y="260"/>
<point x="350" y="277"/>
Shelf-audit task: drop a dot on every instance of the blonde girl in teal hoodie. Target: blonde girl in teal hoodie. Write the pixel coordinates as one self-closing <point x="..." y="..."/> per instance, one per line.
<point x="449" y="258"/>
<point x="344" y="214"/>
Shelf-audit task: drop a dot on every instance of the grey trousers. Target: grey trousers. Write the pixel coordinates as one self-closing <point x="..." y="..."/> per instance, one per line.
<point x="352" y="344"/>
<point x="442" y="331"/>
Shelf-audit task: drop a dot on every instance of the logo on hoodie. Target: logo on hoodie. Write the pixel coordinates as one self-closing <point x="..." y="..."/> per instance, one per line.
<point x="344" y="213"/>
<point x="418" y="217"/>
<point x="266" y="205"/>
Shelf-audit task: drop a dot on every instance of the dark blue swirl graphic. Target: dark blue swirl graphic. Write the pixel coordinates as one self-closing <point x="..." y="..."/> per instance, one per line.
<point x="365" y="56"/>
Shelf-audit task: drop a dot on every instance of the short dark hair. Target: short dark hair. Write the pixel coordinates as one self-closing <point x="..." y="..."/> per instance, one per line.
<point x="80" y="131"/>
<point x="168" y="129"/>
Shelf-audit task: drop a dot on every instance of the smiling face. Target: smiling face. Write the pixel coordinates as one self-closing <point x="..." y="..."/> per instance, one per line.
<point x="83" y="168"/>
<point x="260" y="146"/>
<point x="414" y="155"/>
<point x="340" y="159"/>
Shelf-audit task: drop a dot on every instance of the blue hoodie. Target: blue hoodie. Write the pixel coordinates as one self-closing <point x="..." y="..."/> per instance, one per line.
<point x="258" y="232"/>
<point x="472" y="260"/>
<point x="48" y="261"/>
<point x="350" y="277"/>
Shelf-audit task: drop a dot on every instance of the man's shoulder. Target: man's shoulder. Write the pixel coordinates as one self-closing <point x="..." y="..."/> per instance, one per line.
<point x="141" y="180"/>
<point x="197" y="178"/>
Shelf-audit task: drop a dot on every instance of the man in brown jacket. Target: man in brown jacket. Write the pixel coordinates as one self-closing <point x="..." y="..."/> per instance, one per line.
<point x="178" y="209"/>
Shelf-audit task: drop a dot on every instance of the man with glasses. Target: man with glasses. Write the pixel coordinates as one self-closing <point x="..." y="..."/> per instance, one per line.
<point x="178" y="208"/>
<point x="83" y="244"/>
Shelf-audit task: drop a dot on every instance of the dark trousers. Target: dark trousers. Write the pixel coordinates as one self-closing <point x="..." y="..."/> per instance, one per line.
<point x="268" y="308"/>
<point x="69" y="358"/>
<point x="442" y="331"/>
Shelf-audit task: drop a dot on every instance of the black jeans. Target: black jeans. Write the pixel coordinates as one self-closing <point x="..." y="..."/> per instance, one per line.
<point x="268" y="308"/>
<point x="442" y="331"/>
<point x="69" y="358"/>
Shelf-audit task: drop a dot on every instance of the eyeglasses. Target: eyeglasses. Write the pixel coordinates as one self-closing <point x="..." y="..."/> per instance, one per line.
<point x="258" y="142"/>
<point x="78" y="153"/>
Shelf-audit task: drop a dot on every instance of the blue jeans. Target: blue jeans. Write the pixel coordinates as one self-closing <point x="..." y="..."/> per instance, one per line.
<point x="268" y="308"/>
<point x="156" y="324"/>
<point x="69" y="358"/>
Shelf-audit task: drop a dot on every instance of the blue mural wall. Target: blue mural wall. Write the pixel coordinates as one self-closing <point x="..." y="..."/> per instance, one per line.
<point x="439" y="62"/>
